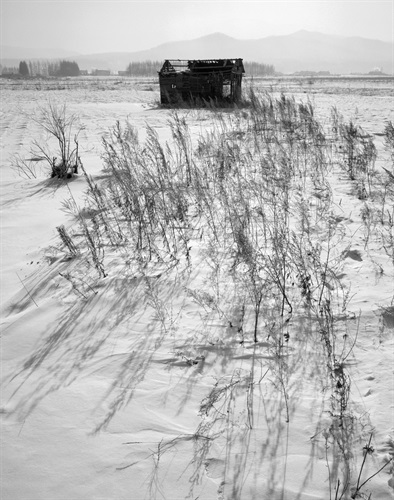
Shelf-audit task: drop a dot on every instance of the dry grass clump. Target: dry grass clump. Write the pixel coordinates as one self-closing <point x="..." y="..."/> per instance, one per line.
<point x="250" y="198"/>
<point x="59" y="149"/>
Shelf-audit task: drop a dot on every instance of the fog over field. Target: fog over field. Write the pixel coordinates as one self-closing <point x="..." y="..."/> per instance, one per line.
<point x="94" y="27"/>
<point x="299" y="51"/>
<point x="341" y="37"/>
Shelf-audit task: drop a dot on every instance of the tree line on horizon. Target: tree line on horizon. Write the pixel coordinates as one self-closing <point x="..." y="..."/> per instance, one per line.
<point x="143" y="68"/>
<point x="253" y="68"/>
<point x="136" y="68"/>
<point x="44" y="68"/>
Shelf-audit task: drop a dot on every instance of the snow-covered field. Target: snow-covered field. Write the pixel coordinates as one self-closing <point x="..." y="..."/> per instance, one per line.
<point x="199" y="358"/>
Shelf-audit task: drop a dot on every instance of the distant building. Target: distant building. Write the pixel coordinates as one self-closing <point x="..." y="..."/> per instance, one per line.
<point x="9" y="71"/>
<point x="83" y="72"/>
<point x="377" y="72"/>
<point x="218" y="79"/>
<point x="123" y="73"/>
<point x="101" y="72"/>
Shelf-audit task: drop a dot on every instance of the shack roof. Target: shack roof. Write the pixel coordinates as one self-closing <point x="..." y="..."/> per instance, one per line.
<point x="202" y="66"/>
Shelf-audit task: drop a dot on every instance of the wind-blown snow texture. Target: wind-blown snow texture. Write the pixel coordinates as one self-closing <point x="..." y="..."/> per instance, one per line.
<point x="138" y="385"/>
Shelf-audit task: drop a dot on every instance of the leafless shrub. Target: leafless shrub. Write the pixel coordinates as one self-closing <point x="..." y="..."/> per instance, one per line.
<point x="61" y="128"/>
<point x="25" y="167"/>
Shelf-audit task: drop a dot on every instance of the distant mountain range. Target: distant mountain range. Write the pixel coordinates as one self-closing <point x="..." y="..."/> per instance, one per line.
<point x="300" y="51"/>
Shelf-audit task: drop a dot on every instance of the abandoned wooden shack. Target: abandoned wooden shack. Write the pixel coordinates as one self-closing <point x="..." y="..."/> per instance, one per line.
<point x="201" y="79"/>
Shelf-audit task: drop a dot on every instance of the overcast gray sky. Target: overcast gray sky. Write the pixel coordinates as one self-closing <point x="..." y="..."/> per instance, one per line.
<point x="88" y="26"/>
